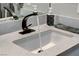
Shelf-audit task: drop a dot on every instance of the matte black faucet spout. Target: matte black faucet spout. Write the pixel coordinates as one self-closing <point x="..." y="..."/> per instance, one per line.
<point x="12" y="13"/>
<point x="24" y="24"/>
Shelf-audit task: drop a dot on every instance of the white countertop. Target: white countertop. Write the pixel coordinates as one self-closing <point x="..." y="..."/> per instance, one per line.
<point x="7" y="47"/>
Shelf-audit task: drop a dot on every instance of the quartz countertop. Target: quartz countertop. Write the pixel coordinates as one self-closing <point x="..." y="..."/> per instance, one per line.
<point x="8" y="48"/>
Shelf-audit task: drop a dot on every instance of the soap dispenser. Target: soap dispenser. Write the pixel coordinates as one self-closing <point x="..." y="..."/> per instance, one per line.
<point x="50" y="17"/>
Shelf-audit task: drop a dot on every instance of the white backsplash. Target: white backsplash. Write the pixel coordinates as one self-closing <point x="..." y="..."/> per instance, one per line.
<point x="73" y="22"/>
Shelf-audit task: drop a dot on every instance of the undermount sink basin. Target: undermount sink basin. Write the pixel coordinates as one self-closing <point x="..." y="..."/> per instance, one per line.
<point x="49" y="39"/>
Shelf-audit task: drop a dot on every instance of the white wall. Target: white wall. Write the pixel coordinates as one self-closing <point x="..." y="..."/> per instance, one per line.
<point x="43" y="7"/>
<point x="67" y="9"/>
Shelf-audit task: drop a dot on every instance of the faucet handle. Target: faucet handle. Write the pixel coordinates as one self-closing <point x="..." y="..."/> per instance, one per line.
<point x="29" y="25"/>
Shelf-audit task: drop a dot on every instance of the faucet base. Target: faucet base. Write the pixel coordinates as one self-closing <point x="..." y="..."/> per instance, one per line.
<point x="27" y="31"/>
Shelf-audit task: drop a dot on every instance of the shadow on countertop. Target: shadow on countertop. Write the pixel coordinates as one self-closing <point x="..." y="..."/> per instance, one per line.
<point x="74" y="51"/>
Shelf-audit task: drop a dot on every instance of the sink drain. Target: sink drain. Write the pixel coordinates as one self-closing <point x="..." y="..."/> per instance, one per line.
<point x="40" y="51"/>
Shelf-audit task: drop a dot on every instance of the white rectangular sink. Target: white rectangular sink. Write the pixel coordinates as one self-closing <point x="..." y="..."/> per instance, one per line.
<point x="49" y="39"/>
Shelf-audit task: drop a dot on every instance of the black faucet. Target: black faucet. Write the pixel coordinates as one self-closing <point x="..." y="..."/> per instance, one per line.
<point x="24" y="24"/>
<point x="11" y="12"/>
